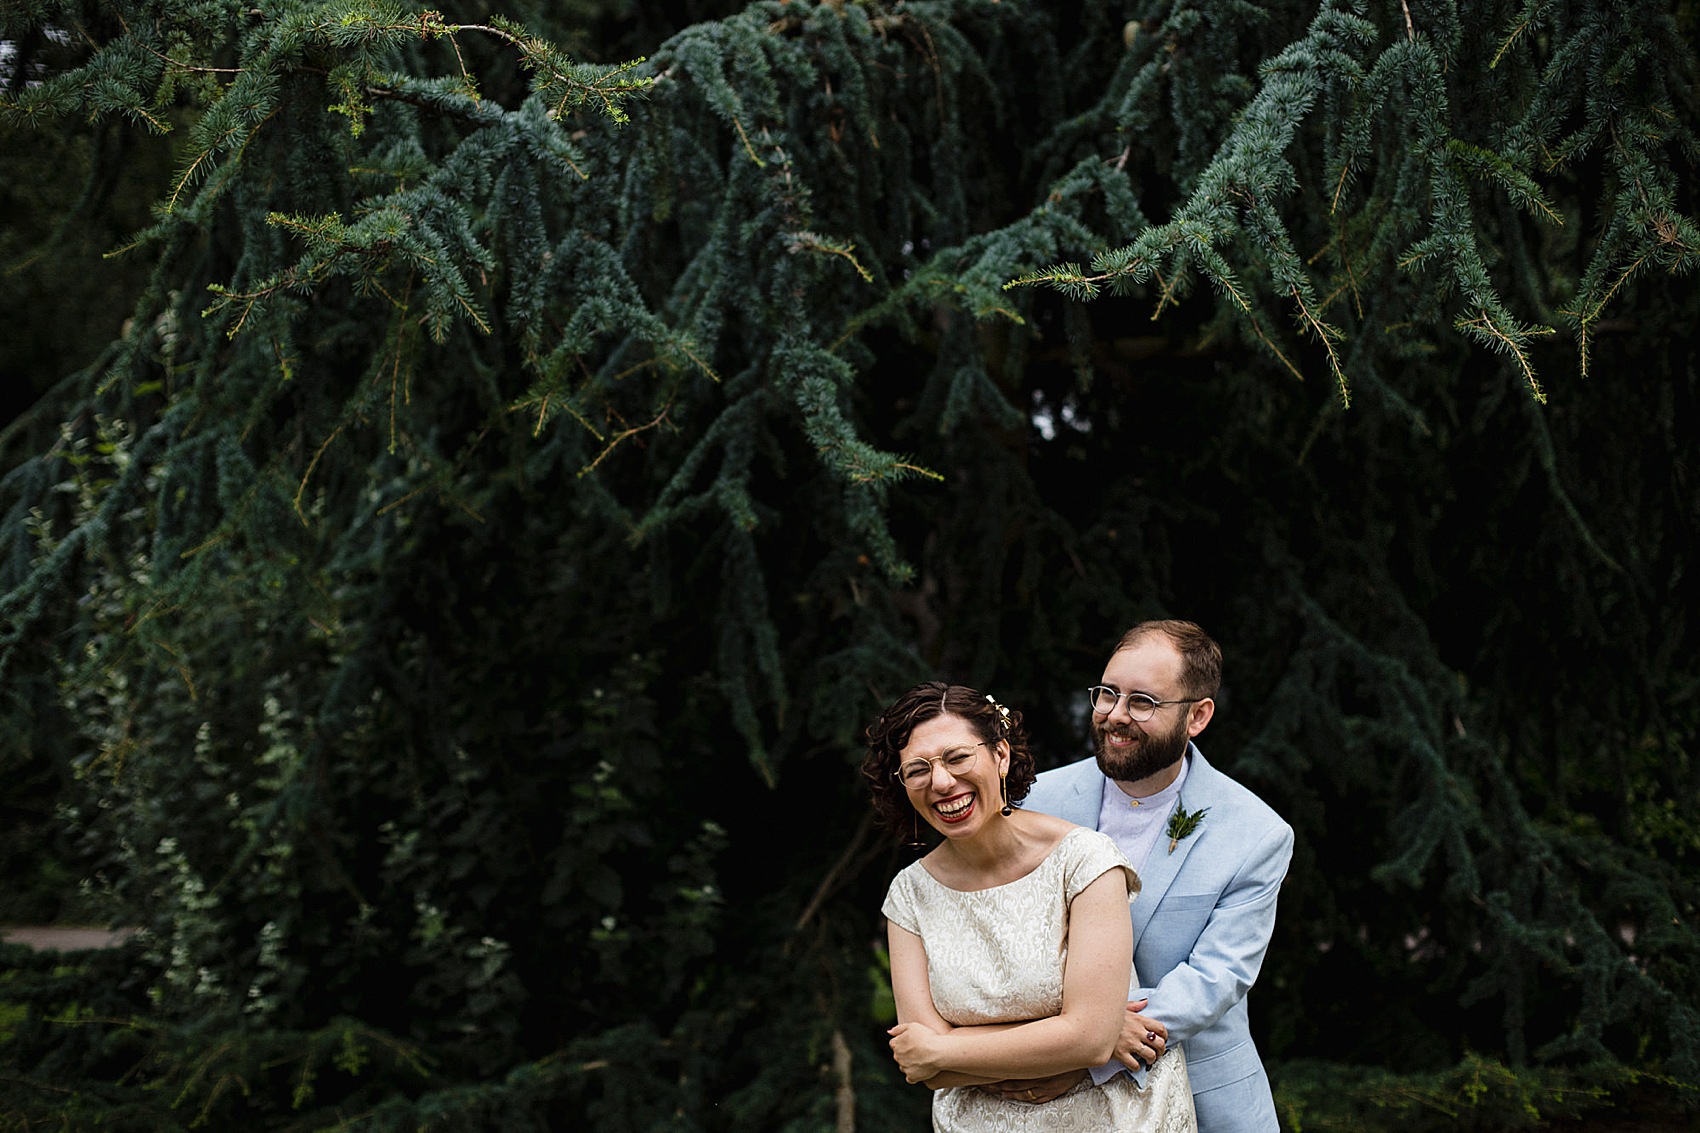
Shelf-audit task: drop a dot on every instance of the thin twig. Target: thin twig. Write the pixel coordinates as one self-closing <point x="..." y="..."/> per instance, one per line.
<point x="830" y="882"/>
<point x="307" y="475"/>
<point x="630" y="431"/>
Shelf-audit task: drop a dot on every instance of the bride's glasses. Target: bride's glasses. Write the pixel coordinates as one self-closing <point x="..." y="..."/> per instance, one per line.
<point x="915" y="773"/>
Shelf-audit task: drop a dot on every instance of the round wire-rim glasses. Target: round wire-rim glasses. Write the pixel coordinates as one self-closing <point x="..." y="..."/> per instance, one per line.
<point x="915" y="773"/>
<point x="1140" y="707"/>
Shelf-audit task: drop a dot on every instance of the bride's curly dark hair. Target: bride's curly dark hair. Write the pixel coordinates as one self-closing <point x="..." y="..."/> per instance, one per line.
<point x="887" y="736"/>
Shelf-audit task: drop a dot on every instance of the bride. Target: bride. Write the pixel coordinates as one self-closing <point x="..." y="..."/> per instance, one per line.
<point x="1011" y="947"/>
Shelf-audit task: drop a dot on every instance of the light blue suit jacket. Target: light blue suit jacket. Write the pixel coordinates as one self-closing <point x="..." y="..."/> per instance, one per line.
<point x="1201" y="925"/>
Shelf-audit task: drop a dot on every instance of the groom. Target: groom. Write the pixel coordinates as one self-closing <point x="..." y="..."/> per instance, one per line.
<point x="1211" y="855"/>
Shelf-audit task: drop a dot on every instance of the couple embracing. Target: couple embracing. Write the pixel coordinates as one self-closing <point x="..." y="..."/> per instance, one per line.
<point x="1027" y="997"/>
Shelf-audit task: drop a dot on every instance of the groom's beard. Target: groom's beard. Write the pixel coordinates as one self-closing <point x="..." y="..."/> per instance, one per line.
<point x="1148" y="755"/>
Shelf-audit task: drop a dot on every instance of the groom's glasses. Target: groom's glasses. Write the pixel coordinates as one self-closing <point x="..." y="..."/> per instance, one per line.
<point x="1139" y="706"/>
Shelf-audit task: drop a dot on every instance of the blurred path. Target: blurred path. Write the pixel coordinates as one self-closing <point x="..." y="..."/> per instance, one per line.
<point x="49" y="939"/>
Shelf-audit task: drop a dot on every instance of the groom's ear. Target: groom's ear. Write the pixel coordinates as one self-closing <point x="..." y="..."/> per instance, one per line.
<point x="1198" y="716"/>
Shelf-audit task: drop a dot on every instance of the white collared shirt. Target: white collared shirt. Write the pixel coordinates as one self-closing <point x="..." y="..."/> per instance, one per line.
<point x="1137" y="824"/>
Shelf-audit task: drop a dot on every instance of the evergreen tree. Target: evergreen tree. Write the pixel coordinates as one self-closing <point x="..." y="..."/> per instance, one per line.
<point x="539" y="440"/>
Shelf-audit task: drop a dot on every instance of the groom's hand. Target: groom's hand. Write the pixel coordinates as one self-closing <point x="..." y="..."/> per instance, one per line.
<point x="1142" y="1039"/>
<point x="1036" y="1090"/>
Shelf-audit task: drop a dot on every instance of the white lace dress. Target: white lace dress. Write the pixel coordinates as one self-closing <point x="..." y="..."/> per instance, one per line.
<point x="996" y="956"/>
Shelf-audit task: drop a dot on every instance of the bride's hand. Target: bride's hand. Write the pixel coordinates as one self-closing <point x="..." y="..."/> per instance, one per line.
<point x="917" y="1050"/>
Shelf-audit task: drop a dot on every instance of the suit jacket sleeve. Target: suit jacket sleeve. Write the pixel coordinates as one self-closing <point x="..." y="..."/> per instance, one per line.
<point x="1225" y="960"/>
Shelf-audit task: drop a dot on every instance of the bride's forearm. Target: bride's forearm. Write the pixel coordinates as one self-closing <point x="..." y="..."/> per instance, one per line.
<point x="994" y="1051"/>
<point x="947" y="1079"/>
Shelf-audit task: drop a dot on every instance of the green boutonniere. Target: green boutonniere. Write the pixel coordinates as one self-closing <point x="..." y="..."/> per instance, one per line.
<point x="1183" y="823"/>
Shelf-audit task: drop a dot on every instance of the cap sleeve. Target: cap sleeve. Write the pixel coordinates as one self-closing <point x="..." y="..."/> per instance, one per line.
<point x="1090" y="855"/>
<point x="899" y="907"/>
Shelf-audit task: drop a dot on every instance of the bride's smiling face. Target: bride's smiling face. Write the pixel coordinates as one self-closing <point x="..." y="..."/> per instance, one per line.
<point x="960" y="791"/>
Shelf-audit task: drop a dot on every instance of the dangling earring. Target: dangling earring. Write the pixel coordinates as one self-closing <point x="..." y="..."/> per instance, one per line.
<point x="915" y="842"/>
<point x="1004" y="780"/>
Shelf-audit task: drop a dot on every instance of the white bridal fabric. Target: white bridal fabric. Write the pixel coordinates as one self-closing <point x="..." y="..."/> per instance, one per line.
<point x="996" y="956"/>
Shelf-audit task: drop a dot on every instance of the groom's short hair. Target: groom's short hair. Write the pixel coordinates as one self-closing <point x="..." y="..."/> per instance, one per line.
<point x="1201" y="657"/>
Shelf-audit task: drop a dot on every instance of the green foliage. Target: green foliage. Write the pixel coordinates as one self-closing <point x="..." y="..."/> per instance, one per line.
<point x="1417" y="213"/>
<point x="1477" y="1094"/>
<point x="454" y="592"/>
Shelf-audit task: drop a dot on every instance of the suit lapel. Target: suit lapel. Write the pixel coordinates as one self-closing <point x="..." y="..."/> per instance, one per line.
<point x="1085" y="801"/>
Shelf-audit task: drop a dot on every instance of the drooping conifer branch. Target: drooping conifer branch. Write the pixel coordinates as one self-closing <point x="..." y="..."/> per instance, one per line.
<point x="1236" y="193"/>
